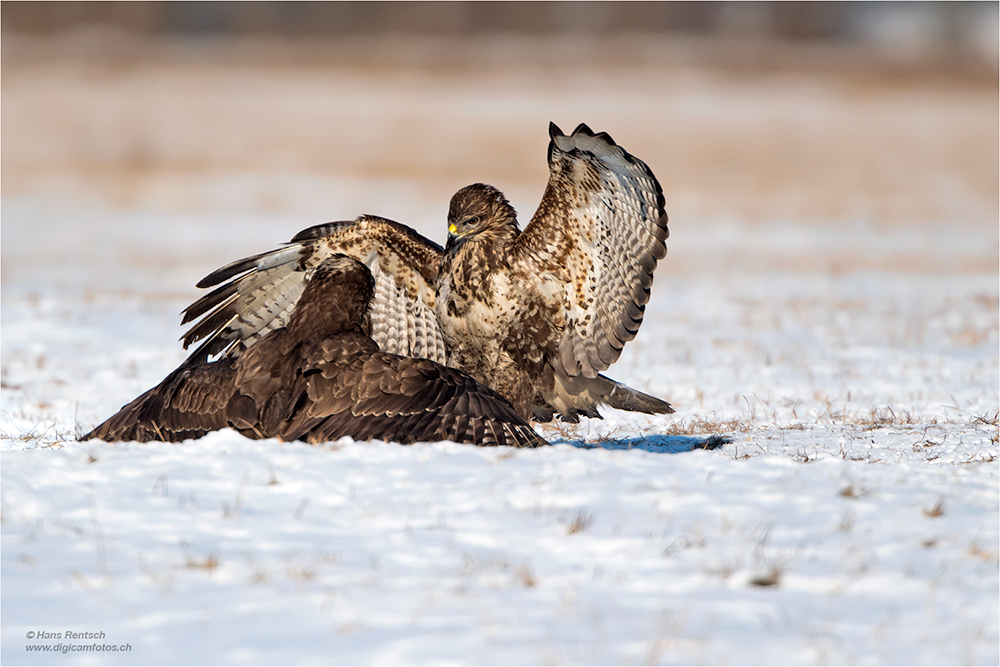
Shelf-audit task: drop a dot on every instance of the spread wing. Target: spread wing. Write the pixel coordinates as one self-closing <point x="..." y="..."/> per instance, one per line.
<point x="189" y="403"/>
<point x="397" y="399"/>
<point x="596" y="237"/>
<point x="257" y="295"/>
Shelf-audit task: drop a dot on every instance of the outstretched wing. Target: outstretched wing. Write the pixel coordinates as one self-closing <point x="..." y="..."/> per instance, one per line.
<point x="189" y="403"/>
<point x="398" y="399"/>
<point x="596" y="237"/>
<point x="257" y="295"/>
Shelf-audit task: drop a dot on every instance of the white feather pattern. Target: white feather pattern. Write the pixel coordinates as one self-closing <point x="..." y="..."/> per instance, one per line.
<point x="402" y="315"/>
<point x="603" y="218"/>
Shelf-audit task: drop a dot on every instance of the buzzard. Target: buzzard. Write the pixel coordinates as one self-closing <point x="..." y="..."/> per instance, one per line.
<point x="535" y="314"/>
<point x="319" y="378"/>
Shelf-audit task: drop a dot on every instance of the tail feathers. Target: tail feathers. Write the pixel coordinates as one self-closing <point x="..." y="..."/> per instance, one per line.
<point x="580" y="396"/>
<point x="623" y="397"/>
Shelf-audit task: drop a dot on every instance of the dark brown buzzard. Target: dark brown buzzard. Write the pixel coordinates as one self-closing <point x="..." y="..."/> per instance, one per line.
<point x="319" y="378"/>
<point x="534" y="314"/>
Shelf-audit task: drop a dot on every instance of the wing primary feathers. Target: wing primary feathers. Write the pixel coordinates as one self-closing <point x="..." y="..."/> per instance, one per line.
<point x="221" y="297"/>
<point x="229" y="271"/>
<point x="212" y="327"/>
<point x="213" y="344"/>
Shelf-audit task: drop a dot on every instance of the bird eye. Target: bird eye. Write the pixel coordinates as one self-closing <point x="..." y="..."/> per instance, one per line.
<point x="473" y="221"/>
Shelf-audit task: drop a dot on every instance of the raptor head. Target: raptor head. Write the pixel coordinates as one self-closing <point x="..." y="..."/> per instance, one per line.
<point x="480" y="210"/>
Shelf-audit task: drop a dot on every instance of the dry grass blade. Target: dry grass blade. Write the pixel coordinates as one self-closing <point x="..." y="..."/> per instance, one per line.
<point x="581" y="522"/>
<point x="936" y="511"/>
<point x="525" y="576"/>
<point x="209" y="564"/>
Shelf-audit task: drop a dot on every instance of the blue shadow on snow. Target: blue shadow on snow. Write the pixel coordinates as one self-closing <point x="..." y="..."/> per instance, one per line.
<point x="660" y="444"/>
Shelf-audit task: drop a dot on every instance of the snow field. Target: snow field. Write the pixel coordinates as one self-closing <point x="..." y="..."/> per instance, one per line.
<point x="851" y="519"/>
<point x="226" y="550"/>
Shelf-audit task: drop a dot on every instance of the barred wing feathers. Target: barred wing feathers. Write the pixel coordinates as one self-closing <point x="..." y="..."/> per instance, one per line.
<point x="598" y="233"/>
<point x="402" y="400"/>
<point x="257" y="295"/>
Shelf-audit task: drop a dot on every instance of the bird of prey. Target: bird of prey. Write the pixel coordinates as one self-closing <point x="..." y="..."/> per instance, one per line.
<point x="319" y="378"/>
<point x="535" y="314"/>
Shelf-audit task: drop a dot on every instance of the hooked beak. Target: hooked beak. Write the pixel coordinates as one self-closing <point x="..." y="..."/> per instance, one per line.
<point x="454" y="237"/>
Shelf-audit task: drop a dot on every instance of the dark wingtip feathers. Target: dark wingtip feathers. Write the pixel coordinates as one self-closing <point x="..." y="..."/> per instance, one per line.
<point x="319" y="231"/>
<point x="228" y="271"/>
<point x="585" y="130"/>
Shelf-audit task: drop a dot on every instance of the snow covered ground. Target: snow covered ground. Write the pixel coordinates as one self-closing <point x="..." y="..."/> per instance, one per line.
<point x="851" y="359"/>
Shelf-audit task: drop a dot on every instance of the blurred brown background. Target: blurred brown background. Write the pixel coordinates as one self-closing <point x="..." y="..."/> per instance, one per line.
<point x="865" y="113"/>
<point x="953" y="30"/>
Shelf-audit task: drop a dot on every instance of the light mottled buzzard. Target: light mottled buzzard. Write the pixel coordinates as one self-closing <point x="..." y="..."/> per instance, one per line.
<point x="319" y="378"/>
<point x="534" y="314"/>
